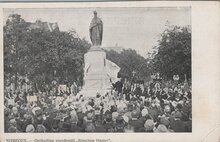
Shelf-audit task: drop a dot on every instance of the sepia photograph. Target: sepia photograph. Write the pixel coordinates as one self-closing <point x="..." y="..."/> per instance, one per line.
<point x="97" y="70"/>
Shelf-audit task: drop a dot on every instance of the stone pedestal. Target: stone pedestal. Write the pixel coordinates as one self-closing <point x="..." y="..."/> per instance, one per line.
<point x="96" y="73"/>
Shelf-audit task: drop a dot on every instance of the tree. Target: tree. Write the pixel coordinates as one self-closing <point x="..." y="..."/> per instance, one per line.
<point x="56" y="55"/>
<point x="42" y="55"/>
<point x="173" y="53"/>
<point x="13" y="32"/>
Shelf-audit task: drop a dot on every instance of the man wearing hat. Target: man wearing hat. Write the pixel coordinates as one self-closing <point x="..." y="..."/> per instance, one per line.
<point x="89" y="127"/>
<point x="120" y="124"/>
<point x="88" y="119"/>
<point x="129" y="111"/>
<point x="165" y="121"/>
<point x="178" y="125"/>
<point x="134" y="121"/>
<point x="40" y="129"/>
<point x="80" y="115"/>
<point x="143" y="118"/>
<point x="30" y="128"/>
<point x="161" y="129"/>
<point x="74" y="127"/>
<point x="12" y="129"/>
<point x="108" y="123"/>
<point x="149" y="125"/>
<point x="138" y="91"/>
<point x="99" y="127"/>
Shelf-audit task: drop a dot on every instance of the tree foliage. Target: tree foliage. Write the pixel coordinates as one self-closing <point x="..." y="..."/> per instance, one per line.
<point x="42" y="55"/>
<point x="172" y="56"/>
<point x="173" y="53"/>
<point x="129" y="60"/>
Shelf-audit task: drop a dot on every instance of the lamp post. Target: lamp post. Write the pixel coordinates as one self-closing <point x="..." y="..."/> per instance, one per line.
<point x="133" y="77"/>
<point x="133" y="73"/>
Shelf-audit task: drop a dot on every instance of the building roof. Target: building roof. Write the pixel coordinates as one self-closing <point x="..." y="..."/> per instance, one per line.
<point x="44" y="26"/>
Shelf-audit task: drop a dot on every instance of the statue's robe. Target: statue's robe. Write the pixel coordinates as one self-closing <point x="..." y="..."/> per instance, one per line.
<point x="96" y="31"/>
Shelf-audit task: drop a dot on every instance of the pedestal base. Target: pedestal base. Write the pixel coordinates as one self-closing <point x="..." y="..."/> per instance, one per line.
<point x="96" y="83"/>
<point x="98" y="72"/>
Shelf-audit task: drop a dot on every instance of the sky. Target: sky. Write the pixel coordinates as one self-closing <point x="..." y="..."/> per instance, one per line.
<point x="135" y="28"/>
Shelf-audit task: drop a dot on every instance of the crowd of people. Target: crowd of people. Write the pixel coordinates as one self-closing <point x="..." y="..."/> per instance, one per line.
<point x="127" y="107"/>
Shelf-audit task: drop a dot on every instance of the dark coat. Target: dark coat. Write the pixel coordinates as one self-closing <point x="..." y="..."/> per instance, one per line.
<point x="179" y="126"/>
<point x="118" y="86"/>
<point x="135" y="124"/>
<point x="75" y="128"/>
